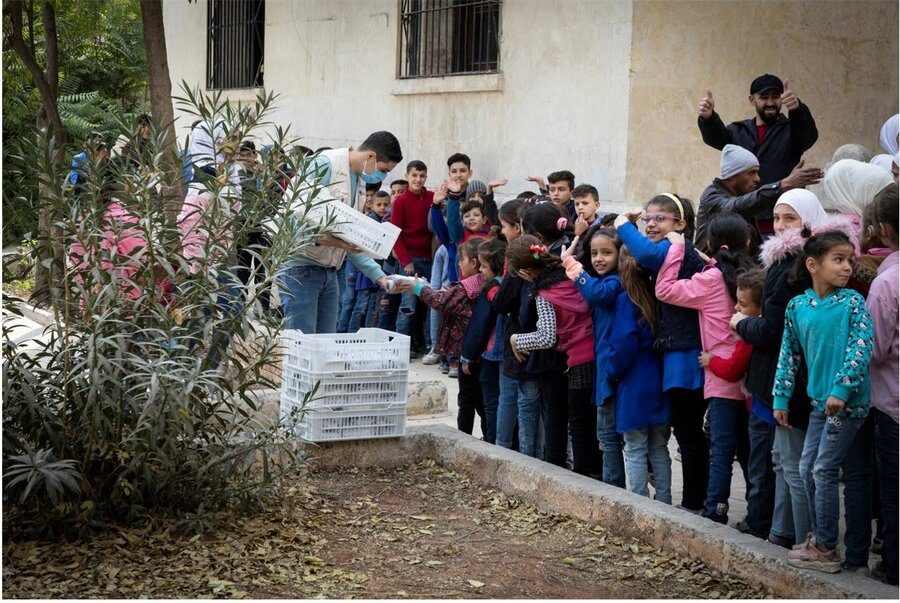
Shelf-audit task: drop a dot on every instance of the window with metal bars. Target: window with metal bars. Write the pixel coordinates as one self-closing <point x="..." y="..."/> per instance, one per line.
<point x="234" y="50"/>
<point x="449" y="37"/>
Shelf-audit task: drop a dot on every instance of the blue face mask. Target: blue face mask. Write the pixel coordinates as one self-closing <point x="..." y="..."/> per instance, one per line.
<point x="376" y="177"/>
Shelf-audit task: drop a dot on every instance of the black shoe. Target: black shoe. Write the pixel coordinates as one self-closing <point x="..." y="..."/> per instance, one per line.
<point x="782" y="541"/>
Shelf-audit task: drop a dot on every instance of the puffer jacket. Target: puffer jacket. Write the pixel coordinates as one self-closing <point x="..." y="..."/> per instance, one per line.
<point x="764" y="333"/>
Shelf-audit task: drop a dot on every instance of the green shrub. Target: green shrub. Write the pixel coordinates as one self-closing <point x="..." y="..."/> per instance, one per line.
<point x="136" y="400"/>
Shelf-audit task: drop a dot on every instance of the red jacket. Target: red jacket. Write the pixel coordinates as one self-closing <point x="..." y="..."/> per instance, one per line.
<point x="574" y="326"/>
<point x="409" y="213"/>
<point x="456" y="304"/>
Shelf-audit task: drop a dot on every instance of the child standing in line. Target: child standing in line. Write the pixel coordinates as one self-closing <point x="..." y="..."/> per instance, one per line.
<point x="596" y="277"/>
<point x="505" y="303"/>
<point x="365" y="313"/>
<point x="456" y="304"/>
<point x="882" y="305"/>
<point x="642" y="410"/>
<point x="587" y="204"/>
<point x="564" y="324"/>
<point x="677" y="337"/>
<point x="796" y="212"/>
<point x="749" y="303"/>
<point x="712" y="292"/>
<point x="482" y="343"/>
<point x="828" y="328"/>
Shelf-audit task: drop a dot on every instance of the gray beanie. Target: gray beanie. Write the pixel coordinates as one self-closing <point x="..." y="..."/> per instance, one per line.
<point x="476" y="186"/>
<point x="736" y="160"/>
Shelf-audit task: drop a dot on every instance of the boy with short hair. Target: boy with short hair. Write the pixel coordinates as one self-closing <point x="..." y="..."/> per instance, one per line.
<point x="587" y="203"/>
<point x="413" y="252"/>
<point x="365" y="309"/>
<point x="398" y="187"/>
<point x="562" y="183"/>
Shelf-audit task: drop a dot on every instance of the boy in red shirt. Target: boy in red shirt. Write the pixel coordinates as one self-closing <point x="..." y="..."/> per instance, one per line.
<point x="413" y="252"/>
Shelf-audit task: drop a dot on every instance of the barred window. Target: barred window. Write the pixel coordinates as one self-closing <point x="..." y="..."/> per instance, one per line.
<point x="234" y="50"/>
<point x="449" y="37"/>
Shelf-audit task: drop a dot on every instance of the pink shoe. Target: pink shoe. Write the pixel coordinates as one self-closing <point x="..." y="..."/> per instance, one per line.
<point x="811" y="557"/>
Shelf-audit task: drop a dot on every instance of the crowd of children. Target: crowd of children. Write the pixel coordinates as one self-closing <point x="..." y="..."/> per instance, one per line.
<point x="585" y="340"/>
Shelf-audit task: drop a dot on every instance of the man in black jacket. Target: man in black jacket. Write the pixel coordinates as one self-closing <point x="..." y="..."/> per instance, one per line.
<point x="777" y="141"/>
<point x="737" y="189"/>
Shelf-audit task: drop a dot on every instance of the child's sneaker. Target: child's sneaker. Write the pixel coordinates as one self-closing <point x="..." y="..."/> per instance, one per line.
<point x="445" y="367"/>
<point x="811" y="557"/>
<point x="431" y="358"/>
<point x="809" y="541"/>
<point x="784" y="542"/>
<point x="453" y="373"/>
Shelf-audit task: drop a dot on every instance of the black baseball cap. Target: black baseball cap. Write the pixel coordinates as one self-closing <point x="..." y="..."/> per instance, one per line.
<point x="765" y="82"/>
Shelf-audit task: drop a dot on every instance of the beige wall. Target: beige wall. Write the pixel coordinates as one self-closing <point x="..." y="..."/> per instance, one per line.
<point x="840" y="57"/>
<point x="560" y="102"/>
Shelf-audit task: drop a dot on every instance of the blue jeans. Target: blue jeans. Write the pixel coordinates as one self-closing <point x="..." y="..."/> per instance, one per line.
<point x="490" y="393"/>
<point x="409" y="302"/>
<point x="364" y="310"/>
<point x="610" y="444"/>
<point x="790" y="519"/>
<point x="507" y="410"/>
<point x="390" y="304"/>
<point x="348" y="296"/>
<point x="309" y="296"/>
<point x="728" y="426"/>
<point x="886" y="452"/>
<point x="827" y="441"/>
<point x="760" y="477"/>
<point x="857" y="468"/>
<point x="653" y="443"/>
<point x="529" y="402"/>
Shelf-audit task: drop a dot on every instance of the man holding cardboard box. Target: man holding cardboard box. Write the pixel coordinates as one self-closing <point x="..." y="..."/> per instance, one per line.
<point x="308" y="282"/>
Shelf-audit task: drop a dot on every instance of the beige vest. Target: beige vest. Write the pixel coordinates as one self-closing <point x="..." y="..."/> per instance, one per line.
<point x="340" y="190"/>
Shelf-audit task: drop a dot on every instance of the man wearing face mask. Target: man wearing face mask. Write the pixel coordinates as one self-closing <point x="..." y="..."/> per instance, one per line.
<point x="778" y="141"/>
<point x="309" y="281"/>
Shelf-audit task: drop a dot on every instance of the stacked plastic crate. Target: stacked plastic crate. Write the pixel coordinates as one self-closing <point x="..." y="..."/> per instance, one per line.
<point x="359" y="382"/>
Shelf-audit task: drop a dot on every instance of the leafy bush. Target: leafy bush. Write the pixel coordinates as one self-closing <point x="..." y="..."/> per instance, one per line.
<point x="136" y="398"/>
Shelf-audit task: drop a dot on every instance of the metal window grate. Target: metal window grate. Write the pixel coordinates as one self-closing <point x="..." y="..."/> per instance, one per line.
<point x="234" y="51"/>
<point x="449" y="37"/>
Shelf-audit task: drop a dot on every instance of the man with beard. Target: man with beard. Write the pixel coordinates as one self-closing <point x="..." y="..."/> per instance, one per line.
<point x="777" y="141"/>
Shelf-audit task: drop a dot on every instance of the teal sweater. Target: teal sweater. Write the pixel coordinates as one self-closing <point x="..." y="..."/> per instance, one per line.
<point x="834" y="336"/>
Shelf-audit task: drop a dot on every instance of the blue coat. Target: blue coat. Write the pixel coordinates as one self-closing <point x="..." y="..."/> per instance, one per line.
<point x="635" y="369"/>
<point x="601" y="294"/>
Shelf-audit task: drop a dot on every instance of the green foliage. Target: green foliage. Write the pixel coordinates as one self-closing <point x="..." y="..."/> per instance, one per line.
<point x="103" y="77"/>
<point x="141" y="395"/>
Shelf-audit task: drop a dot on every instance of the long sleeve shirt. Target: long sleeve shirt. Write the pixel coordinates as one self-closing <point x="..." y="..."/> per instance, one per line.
<point x="545" y="334"/>
<point x="882" y="306"/>
<point x="410" y="215"/>
<point x="834" y="336"/>
<point x="705" y="292"/>
<point x="733" y="368"/>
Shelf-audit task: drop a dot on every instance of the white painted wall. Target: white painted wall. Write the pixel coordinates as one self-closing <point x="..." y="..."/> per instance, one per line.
<point x="560" y="102"/>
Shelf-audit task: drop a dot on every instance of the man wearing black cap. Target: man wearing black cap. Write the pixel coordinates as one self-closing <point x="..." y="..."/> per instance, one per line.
<point x="777" y="141"/>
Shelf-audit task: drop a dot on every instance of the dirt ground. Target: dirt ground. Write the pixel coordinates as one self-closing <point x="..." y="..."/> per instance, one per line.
<point x="416" y="532"/>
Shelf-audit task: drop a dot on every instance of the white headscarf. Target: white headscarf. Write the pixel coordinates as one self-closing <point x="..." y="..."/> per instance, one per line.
<point x="851" y="151"/>
<point x="806" y="204"/>
<point x="889" y="132"/>
<point x="851" y="185"/>
<point x="883" y="161"/>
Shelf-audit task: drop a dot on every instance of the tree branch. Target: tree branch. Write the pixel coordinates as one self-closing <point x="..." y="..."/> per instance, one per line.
<point x="51" y="48"/>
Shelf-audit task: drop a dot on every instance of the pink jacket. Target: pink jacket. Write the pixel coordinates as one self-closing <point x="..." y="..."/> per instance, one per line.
<point x="705" y="292"/>
<point x="574" y="325"/>
<point x="197" y="216"/>
<point x="121" y="249"/>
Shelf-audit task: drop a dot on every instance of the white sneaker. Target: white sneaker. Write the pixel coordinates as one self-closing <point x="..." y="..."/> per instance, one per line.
<point x="431" y="358"/>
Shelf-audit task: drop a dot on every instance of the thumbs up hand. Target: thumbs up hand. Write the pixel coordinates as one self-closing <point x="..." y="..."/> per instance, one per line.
<point x="707" y="105"/>
<point x="789" y="100"/>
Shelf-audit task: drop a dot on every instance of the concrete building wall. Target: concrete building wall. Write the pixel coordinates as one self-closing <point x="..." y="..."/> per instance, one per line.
<point x="840" y="57"/>
<point x="606" y="88"/>
<point x="560" y="101"/>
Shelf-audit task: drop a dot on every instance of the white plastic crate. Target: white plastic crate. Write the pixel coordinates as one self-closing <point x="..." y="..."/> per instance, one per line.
<point x="319" y="425"/>
<point x="374" y="238"/>
<point x="345" y="354"/>
<point x="342" y="393"/>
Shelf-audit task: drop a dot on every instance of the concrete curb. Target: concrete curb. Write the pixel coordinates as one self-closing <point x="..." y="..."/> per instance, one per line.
<point x="555" y="489"/>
